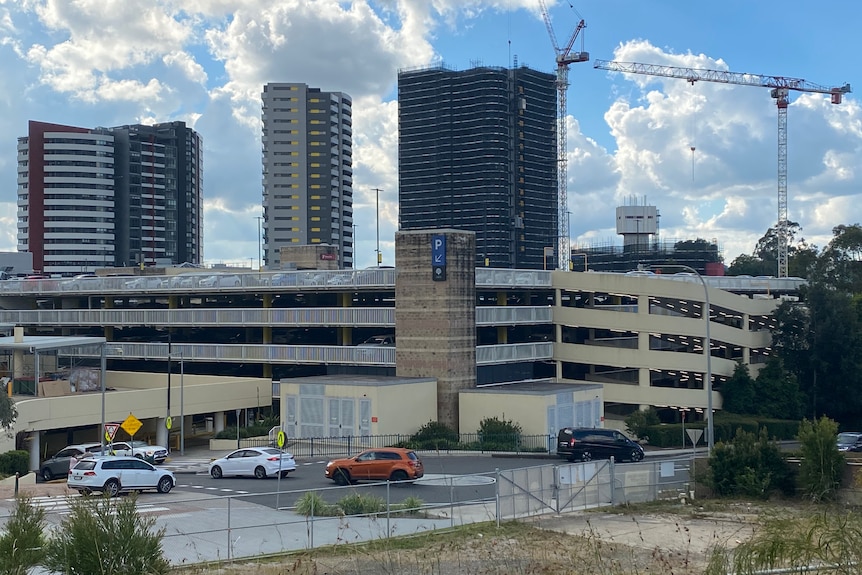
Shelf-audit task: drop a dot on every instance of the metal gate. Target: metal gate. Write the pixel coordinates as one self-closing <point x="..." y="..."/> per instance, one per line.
<point x="554" y="488"/>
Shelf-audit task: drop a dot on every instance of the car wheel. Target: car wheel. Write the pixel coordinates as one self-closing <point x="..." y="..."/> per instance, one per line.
<point x="586" y="456"/>
<point x="284" y="474"/>
<point x="398" y="475"/>
<point x="165" y="485"/>
<point x="84" y="492"/>
<point x="47" y="475"/>
<point x="259" y="472"/>
<point x="215" y="472"/>
<point x="636" y="455"/>
<point x="139" y="456"/>
<point x="341" y="477"/>
<point x="112" y="487"/>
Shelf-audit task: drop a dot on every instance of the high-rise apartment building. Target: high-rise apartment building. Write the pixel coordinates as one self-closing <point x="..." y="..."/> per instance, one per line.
<point x="161" y="199"/>
<point x="94" y="198"/>
<point x="307" y="170"/>
<point x="477" y="151"/>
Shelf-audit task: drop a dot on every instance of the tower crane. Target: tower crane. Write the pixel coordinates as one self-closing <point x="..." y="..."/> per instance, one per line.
<point x="780" y="88"/>
<point x="564" y="57"/>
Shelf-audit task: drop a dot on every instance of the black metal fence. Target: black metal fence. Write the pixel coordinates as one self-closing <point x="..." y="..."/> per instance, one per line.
<point x="464" y="442"/>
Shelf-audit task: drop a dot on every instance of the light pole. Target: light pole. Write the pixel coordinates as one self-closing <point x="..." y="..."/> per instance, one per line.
<point x="570" y="265"/>
<point x="707" y="384"/>
<point x="379" y="255"/>
<point x="182" y="403"/>
<point x="104" y="365"/>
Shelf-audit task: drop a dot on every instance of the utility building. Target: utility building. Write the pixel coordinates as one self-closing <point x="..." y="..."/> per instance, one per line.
<point x="477" y="151"/>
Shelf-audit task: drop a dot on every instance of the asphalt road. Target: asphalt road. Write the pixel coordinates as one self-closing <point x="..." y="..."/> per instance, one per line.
<point x="447" y="480"/>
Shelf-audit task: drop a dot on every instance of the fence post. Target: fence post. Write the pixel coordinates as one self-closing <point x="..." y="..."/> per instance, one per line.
<point x="613" y="484"/>
<point x="311" y="529"/>
<point x="451" y="501"/>
<point x="557" y="482"/>
<point x="312" y="447"/>
<point x="388" y="507"/>
<point x="17" y="475"/>
<point x="497" y="493"/>
<point x="229" y="541"/>
<point x="349" y="442"/>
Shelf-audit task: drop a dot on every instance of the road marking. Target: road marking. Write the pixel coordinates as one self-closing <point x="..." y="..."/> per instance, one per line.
<point x="445" y="480"/>
<point x="62" y="504"/>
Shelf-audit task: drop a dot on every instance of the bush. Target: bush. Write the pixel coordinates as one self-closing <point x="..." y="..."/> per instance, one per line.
<point x="15" y="461"/>
<point x="822" y="464"/>
<point x="409" y="506"/>
<point x="638" y="422"/>
<point x="313" y="504"/>
<point x="499" y="435"/>
<point x="361" y="504"/>
<point x="433" y="435"/>
<point x="751" y="466"/>
<point x="103" y="536"/>
<point x="21" y="542"/>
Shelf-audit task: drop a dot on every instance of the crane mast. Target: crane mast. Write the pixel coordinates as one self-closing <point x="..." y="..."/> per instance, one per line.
<point x="780" y="91"/>
<point x="564" y="57"/>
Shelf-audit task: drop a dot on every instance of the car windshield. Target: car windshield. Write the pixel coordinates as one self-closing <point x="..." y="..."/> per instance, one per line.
<point x="139" y="444"/>
<point x="86" y="465"/>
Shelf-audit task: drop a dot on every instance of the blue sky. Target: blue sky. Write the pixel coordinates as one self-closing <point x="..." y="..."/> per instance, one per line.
<point x="111" y="62"/>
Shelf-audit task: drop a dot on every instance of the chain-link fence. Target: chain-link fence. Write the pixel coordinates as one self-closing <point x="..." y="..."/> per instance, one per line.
<point x="212" y="525"/>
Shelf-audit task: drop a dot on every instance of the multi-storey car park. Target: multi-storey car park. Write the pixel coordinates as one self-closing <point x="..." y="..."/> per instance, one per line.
<point x="586" y="347"/>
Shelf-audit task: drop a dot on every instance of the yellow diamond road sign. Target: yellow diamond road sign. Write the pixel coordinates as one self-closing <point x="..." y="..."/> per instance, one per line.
<point x="131" y="425"/>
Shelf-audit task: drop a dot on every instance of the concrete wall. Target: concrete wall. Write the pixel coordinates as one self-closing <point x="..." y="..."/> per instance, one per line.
<point x="436" y="320"/>
<point x="528" y="411"/>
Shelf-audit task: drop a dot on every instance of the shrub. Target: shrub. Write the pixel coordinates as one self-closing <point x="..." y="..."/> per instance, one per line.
<point x="499" y="434"/>
<point x="751" y="465"/>
<point x="103" y="536"/>
<point x="822" y="464"/>
<point x="14" y="461"/>
<point x="409" y="506"/>
<point x="361" y="504"/>
<point x="312" y="504"/>
<point x="639" y="421"/>
<point x="21" y="542"/>
<point x="433" y="435"/>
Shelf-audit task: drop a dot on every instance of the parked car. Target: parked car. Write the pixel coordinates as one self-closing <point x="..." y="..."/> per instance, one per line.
<point x="144" y="282"/>
<point x="378" y="340"/>
<point x="58" y="466"/>
<point x="112" y="474"/>
<point x="221" y="280"/>
<point x="850" y="441"/>
<point x="139" y="449"/>
<point x="380" y="464"/>
<point x="596" y="443"/>
<point x="80" y="282"/>
<point x="260" y="462"/>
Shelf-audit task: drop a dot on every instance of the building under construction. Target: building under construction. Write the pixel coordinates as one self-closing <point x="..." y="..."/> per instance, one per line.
<point x="642" y="246"/>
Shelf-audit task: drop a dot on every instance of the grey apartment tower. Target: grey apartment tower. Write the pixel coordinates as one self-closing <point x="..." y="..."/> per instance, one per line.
<point x="307" y="171"/>
<point x="477" y="151"/>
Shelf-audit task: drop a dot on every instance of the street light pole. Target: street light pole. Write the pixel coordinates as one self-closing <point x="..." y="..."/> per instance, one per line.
<point x="379" y="256"/>
<point x="707" y="384"/>
<point x="104" y="365"/>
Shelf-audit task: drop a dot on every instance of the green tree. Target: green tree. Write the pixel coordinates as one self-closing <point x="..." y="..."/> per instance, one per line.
<point x="639" y="421"/>
<point x="776" y="391"/>
<point x="8" y="413"/>
<point x="104" y="536"/>
<point x="22" y="541"/>
<point x="737" y="393"/>
<point x="822" y="464"/>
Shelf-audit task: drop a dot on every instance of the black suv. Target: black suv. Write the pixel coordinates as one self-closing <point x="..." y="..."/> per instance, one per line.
<point x="588" y="443"/>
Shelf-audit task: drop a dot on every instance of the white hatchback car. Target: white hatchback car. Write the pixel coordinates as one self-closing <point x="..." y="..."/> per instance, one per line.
<point x="112" y="474"/>
<point x="261" y="462"/>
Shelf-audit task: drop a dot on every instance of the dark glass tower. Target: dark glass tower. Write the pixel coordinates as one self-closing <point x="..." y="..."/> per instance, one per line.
<point x="477" y="151"/>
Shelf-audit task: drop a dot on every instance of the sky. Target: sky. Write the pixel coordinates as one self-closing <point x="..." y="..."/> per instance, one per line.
<point x="96" y="63"/>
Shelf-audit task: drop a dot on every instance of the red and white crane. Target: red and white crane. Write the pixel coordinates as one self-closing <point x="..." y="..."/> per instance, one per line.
<point x="564" y="57"/>
<point x="780" y="87"/>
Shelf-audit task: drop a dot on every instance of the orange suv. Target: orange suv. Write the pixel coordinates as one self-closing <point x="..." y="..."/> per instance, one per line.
<point x="380" y="464"/>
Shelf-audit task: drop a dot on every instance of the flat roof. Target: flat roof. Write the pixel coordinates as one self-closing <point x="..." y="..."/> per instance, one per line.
<point x="535" y="388"/>
<point x="357" y="380"/>
<point x="31" y="343"/>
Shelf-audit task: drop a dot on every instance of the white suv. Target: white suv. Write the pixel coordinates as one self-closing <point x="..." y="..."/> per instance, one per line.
<point x="113" y="474"/>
